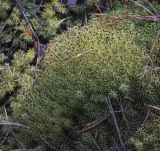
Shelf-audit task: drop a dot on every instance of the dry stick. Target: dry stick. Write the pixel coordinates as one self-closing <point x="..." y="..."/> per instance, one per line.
<point x="11" y="129"/>
<point x="15" y="46"/>
<point x="151" y="53"/>
<point x="136" y="3"/>
<point x="77" y="56"/>
<point x="152" y="7"/>
<point x="2" y="68"/>
<point x="38" y="6"/>
<point x="142" y="126"/>
<point x="111" y="3"/>
<point x="148" y="18"/>
<point x="115" y="122"/>
<point x="23" y="10"/>
<point x="94" y="140"/>
<point x="97" y="7"/>
<point x="93" y="124"/>
<point x="46" y="142"/>
<point x="154" y="107"/>
<point x="155" y="18"/>
<point x="115" y="146"/>
<point x="62" y="20"/>
<point x="8" y="99"/>
<point x="97" y="14"/>
<point x="7" y="134"/>
<point x="8" y="17"/>
<point x="13" y="124"/>
<point x="123" y="115"/>
<point x="18" y="141"/>
<point x="86" y="21"/>
<point x="22" y="150"/>
<point x="51" y="5"/>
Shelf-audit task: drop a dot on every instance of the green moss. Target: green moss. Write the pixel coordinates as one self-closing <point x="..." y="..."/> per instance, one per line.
<point x="83" y="67"/>
<point x="149" y="137"/>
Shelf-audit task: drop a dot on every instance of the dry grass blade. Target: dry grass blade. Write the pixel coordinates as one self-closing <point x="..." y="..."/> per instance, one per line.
<point x="22" y="150"/>
<point x="154" y="107"/>
<point x="123" y="115"/>
<point x="13" y="124"/>
<point x="152" y="7"/>
<point x="2" y="68"/>
<point x="61" y="21"/>
<point x="97" y="14"/>
<point x="142" y="126"/>
<point x="8" y="99"/>
<point x="88" y="126"/>
<point x="77" y="56"/>
<point x="151" y="53"/>
<point x="140" y="5"/>
<point x="9" y="131"/>
<point x="93" y="124"/>
<point x="155" y="18"/>
<point x="115" y="122"/>
<point x="46" y="142"/>
<point x="32" y="28"/>
<point x="97" y="7"/>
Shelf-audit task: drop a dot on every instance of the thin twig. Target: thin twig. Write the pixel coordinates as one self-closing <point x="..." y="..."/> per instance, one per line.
<point x="140" y="5"/>
<point x="155" y="18"/>
<point x="12" y="132"/>
<point x="98" y="8"/>
<point x="123" y="115"/>
<point x="115" y="122"/>
<point x="142" y="126"/>
<point x="152" y="7"/>
<point x="94" y="140"/>
<point x="51" y="5"/>
<point x="13" y="124"/>
<point x="92" y="124"/>
<point x="61" y="21"/>
<point x="154" y="107"/>
<point x="22" y="150"/>
<point x="2" y="68"/>
<point x="97" y="14"/>
<point x="8" y="99"/>
<point x="23" y="10"/>
<point x="151" y="53"/>
<point x="77" y="56"/>
<point x="46" y="142"/>
<point x="7" y="133"/>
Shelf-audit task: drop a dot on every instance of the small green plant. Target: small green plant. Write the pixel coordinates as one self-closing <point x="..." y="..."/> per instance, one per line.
<point x="16" y="24"/>
<point x="16" y="73"/>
